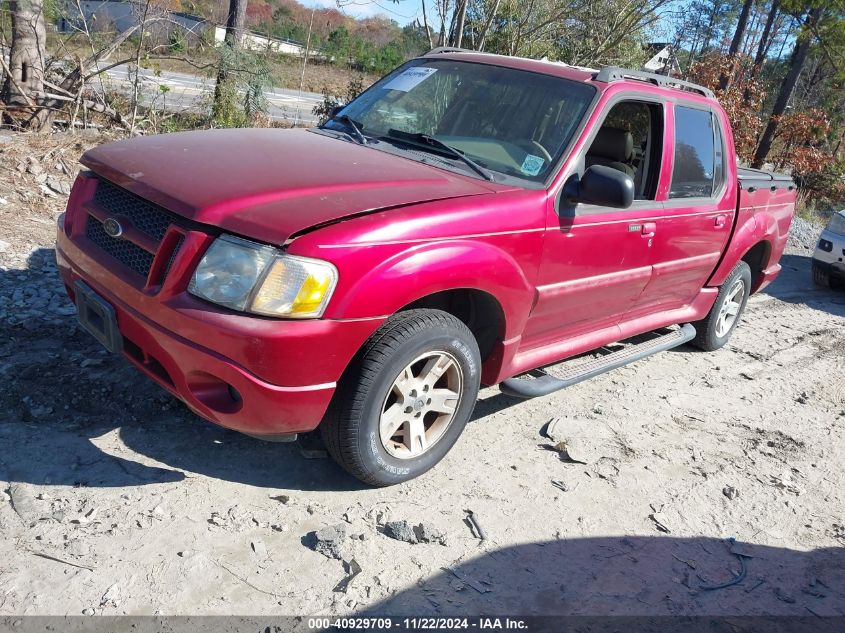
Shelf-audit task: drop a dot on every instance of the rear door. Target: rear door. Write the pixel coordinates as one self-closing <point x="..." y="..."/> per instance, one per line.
<point x="698" y="213"/>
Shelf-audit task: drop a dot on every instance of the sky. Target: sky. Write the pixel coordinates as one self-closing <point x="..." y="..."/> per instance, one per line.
<point x="406" y="11"/>
<point x="403" y="12"/>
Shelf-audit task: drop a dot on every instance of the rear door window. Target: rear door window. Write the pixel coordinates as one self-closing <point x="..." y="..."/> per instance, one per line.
<point x="698" y="169"/>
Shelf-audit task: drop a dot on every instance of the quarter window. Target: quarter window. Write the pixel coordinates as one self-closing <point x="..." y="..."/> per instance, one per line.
<point x="698" y="169"/>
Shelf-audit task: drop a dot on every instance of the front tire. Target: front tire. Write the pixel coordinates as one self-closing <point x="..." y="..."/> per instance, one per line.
<point x="821" y="276"/>
<point x="716" y="328"/>
<point x="405" y="399"/>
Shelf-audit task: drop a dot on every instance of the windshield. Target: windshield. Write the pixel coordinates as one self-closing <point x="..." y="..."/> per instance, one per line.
<point x="511" y="121"/>
<point x="837" y="224"/>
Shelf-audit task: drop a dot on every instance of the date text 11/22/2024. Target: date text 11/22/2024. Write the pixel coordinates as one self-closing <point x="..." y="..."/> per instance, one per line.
<point x="417" y="624"/>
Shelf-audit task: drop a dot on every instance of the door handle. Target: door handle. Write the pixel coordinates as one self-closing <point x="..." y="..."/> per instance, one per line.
<point x="719" y="222"/>
<point x="649" y="229"/>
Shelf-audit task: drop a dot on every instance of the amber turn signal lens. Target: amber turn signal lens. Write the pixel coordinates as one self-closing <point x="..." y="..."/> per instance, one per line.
<point x="295" y="287"/>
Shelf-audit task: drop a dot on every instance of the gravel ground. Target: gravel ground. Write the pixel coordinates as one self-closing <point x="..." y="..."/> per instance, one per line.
<point x="803" y="236"/>
<point x="115" y="499"/>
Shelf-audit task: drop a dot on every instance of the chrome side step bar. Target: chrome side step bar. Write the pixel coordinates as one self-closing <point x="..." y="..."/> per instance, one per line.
<point x="545" y="384"/>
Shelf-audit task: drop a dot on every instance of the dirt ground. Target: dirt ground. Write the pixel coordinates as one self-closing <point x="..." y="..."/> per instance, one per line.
<point x="115" y="499"/>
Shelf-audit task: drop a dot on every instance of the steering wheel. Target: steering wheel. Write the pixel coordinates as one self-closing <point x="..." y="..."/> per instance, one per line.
<point x="542" y="150"/>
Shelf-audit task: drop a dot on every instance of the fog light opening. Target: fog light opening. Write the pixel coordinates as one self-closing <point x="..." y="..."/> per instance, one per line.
<point x="234" y="394"/>
<point x="214" y="393"/>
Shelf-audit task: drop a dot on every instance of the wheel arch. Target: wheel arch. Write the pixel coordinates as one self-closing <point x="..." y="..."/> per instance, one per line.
<point x="462" y="275"/>
<point x="757" y="257"/>
<point x="747" y="237"/>
<point x="479" y="310"/>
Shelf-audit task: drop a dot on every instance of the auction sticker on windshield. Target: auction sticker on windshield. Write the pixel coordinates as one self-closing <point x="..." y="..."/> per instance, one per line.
<point x="409" y="78"/>
<point x="532" y="165"/>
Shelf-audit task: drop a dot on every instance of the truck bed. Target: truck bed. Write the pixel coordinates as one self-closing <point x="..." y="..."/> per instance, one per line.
<point x="750" y="179"/>
<point x="765" y="207"/>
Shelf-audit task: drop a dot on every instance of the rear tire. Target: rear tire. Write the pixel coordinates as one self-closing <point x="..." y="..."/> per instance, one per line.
<point x="716" y="328"/>
<point x="405" y="399"/>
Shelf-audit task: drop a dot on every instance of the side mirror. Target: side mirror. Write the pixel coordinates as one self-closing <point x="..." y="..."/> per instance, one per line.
<point x="602" y="186"/>
<point x="336" y="110"/>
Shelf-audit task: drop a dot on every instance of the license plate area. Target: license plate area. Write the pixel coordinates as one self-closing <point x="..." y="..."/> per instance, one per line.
<point x="97" y="317"/>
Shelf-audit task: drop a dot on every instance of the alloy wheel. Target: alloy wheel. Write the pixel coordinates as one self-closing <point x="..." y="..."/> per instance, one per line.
<point x="729" y="312"/>
<point x="421" y="404"/>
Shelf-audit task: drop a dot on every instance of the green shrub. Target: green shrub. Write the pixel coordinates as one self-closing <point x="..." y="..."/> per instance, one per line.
<point x="324" y="109"/>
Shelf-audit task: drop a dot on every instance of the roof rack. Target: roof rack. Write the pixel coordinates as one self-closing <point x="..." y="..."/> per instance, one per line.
<point x="609" y="74"/>
<point x="449" y="49"/>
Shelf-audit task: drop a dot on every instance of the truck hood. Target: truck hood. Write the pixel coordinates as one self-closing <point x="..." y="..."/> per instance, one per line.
<point x="270" y="184"/>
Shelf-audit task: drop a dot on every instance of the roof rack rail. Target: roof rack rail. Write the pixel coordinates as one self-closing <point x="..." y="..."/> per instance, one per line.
<point x="449" y="49"/>
<point x="610" y="74"/>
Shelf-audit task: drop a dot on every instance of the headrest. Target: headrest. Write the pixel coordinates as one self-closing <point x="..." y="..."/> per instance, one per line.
<point x="613" y="143"/>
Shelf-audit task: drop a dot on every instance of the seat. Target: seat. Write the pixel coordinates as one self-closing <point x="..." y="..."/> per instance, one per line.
<point x="614" y="148"/>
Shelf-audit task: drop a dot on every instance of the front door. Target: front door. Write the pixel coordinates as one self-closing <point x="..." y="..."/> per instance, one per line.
<point x="596" y="261"/>
<point x="594" y="268"/>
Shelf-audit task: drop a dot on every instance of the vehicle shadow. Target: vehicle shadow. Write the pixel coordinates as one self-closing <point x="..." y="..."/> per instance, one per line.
<point x="70" y="409"/>
<point x="795" y="285"/>
<point x="492" y="404"/>
<point x="635" y="576"/>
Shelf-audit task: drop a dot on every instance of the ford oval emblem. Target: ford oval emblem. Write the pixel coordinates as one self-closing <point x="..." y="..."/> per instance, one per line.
<point x="112" y="227"/>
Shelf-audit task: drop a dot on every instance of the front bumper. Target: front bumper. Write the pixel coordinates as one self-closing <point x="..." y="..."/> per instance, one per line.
<point x="835" y="270"/>
<point x="832" y="255"/>
<point x="225" y="367"/>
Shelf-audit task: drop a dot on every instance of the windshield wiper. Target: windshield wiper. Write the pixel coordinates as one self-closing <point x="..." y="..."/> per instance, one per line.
<point x="357" y="134"/>
<point x="424" y="140"/>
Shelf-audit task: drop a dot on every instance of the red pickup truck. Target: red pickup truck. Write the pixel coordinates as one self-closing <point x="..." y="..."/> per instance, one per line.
<point x="468" y="219"/>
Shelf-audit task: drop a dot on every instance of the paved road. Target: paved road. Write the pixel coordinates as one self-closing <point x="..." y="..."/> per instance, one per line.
<point x="186" y="91"/>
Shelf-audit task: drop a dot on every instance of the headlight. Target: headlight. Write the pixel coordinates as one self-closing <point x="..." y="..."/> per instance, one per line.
<point x="251" y="277"/>
<point x="229" y="270"/>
